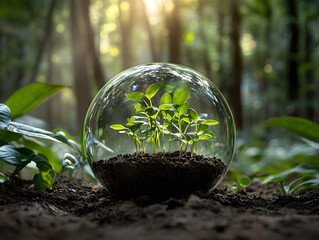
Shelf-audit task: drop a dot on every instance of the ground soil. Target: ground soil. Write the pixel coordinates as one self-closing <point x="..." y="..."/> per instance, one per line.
<point x="158" y="176"/>
<point x="76" y="209"/>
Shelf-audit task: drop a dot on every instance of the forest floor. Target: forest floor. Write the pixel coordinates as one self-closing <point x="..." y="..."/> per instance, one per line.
<point x="76" y="209"/>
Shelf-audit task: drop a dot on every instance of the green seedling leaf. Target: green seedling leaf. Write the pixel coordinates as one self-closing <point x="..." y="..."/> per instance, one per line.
<point x="210" y="122"/>
<point x="152" y="90"/>
<point x="166" y="99"/>
<point x="307" y="184"/>
<point x="137" y="106"/>
<point x="12" y="156"/>
<point x="245" y="181"/>
<point x="43" y="180"/>
<point x="202" y="128"/>
<point x="186" y="119"/>
<point x="182" y="109"/>
<point x="166" y="107"/>
<point x="137" y="96"/>
<point x="117" y="127"/>
<point x="299" y="126"/>
<point x="150" y="111"/>
<point x="180" y="96"/>
<point x="301" y="169"/>
<point x="25" y="99"/>
<point x="5" y="116"/>
<point x="193" y="116"/>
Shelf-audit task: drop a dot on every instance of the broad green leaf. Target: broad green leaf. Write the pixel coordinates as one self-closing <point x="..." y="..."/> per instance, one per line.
<point x="12" y="156"/>
<point x="202" y="128"/>
<point x="166" y="99"/>
<point x="137" y="106"/>
<point x="180" y="96"/>
<point x="166" y="107"/>
<point x="25" y="99"/>
<point x="118" y="127"/>
<point x="245" y="181"/>
<point x="210" y="122"/>
<point x="137" y="96"/>
<point x="301" y="169"/>
<point x="299" y="126"/>
<point x="182" y="109"/>
<point x="5" y="116"/>
<point x="186" y="119"/>
<point x="207" y="135"/>
<point x="152" y="90"/>
<point x="150" y="111"/>
<point x="308" y="184"/>
<point x="43" y="180"/>
<point x="193" y="116"/>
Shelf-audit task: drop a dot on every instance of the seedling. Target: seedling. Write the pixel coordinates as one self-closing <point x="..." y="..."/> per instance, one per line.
<point x="307" y="178"/>
<point x="240" y="182"/>
<point x="173" y="117"/>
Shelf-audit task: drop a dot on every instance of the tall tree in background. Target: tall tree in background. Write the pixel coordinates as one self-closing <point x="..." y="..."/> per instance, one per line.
<point x="174" y="25"/>
<point x="126" y="19"/>
<point x="206" y="60"/>
<point x="148" y="28"/>
<point x="79" y="53"/>
<point x="97" y="69"/>
<point x="292" y="63"/>
<point x="46" y="36"/>
<point x="235" y="93"/>
<point x="220" y="45"/>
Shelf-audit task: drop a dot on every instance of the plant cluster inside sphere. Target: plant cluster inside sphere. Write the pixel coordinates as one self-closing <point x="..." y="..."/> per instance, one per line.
<point x="173" y="117"/>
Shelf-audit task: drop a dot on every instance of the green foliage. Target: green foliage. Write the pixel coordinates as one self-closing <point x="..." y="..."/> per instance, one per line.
<point x="21" y="144"/>
<point x="307" y="178"/>
<point x="300" y="126"/>
<point x="25" y="99"/>
<point x="172" y="117"/>
<point x="240" y="182"/>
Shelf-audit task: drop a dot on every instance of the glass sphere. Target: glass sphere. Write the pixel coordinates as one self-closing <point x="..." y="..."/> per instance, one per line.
<point x="156" y="128"/>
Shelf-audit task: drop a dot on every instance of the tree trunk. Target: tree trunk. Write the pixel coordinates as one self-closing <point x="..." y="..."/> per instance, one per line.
<point x="151" y="39"/>
<point x="79" y="53"/>
<point x="235" y="97"/>
<point x="292" y="63"/>
<point x="126" y="25"/>
<point x="97" y="69"/>
<point x="174" y="25"/>
<point x="309" y="73"/>
<point x="206" y="60"/>
<point x="47" y="32"/>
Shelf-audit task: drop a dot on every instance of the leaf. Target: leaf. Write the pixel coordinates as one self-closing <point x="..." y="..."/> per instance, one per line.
<point x="245" y="181"/>
<point x="299" y="126"/>
<point x="137" y="96"/>
<point x="25" y="99"/>
<point x="193" y="116"/>
<point x="182" y="108"/>
<point x="166" y="99"/>
<point x="210" y="122"/>
<point x="118" y="127"/>
<point x="301" y="169"/>
<point x="166" y="107"/>
<point x="180" y="96"/>
<point x="12" y="156"/>
<point x="43" y="180"/>
<point x="307" y="184"/>
<point x="207" y="135"/>
<point x="152" y="90"/>
<point x="202" y="128"/>
<point x="5" y="116"/>
<point x="137" y="106"/>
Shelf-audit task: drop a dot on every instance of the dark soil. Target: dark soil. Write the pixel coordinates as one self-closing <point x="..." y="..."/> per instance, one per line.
<point x="75" y="209"/>
<point x="158" y="176"/>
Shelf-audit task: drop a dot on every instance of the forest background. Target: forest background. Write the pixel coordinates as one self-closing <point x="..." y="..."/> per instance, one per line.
<point x="262" y="55"/>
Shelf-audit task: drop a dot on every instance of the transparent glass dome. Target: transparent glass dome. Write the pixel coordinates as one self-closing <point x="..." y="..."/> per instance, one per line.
<point x="158" y="109"/>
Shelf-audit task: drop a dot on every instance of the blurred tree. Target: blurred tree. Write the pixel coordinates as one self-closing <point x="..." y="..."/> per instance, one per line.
<point x="174" y="26"/>
<point x="235" y="91"/>
<point x="292" y="62"/>
<point x="126" y="19"/>
<point x="47" y="32"/>
<point x="80" y="53"/>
